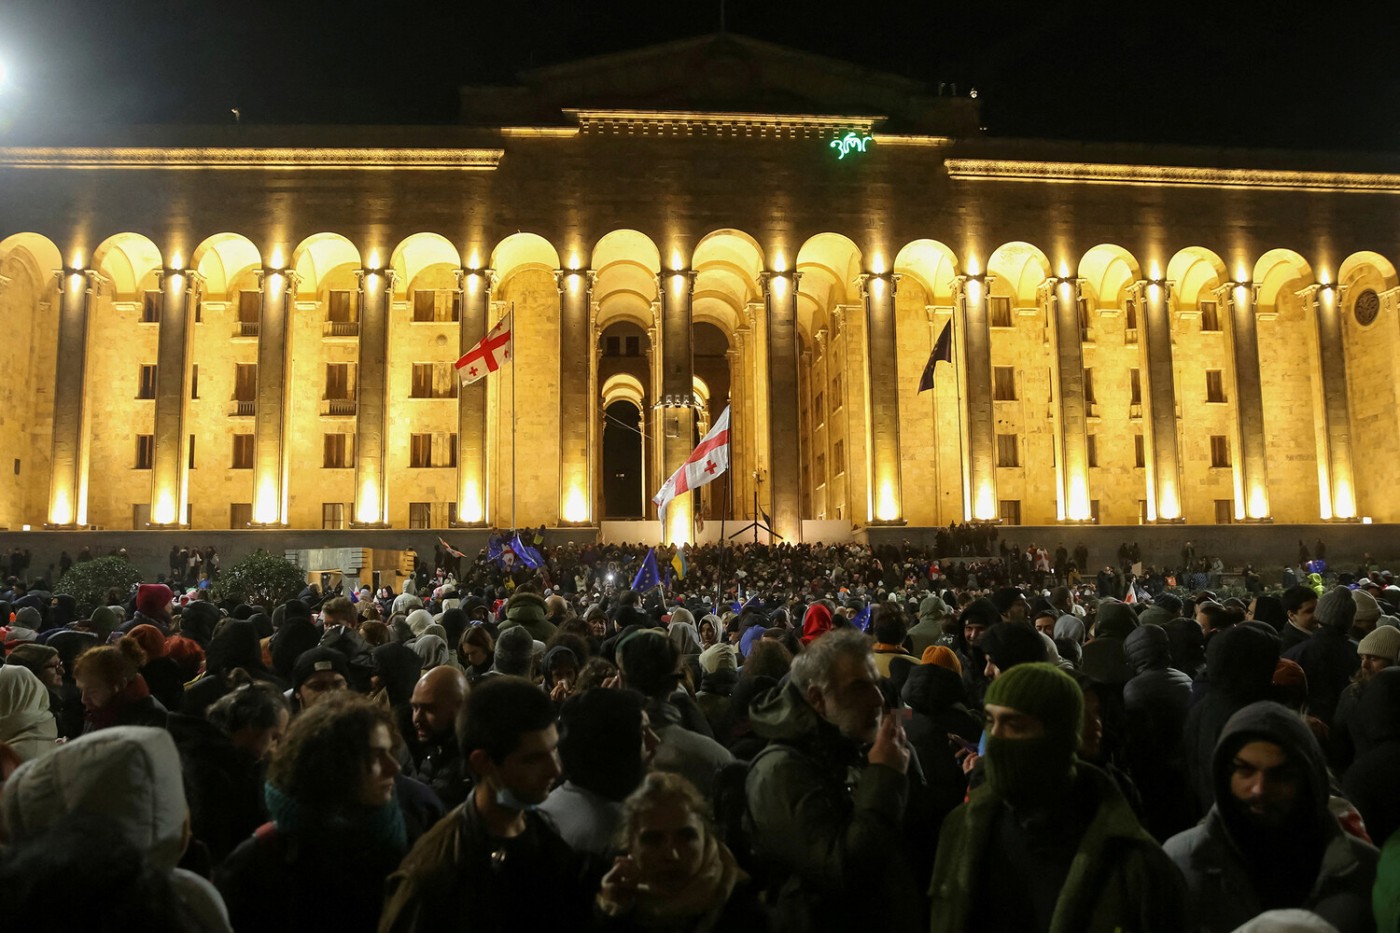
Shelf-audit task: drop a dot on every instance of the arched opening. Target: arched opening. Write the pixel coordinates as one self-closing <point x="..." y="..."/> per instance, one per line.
<point x="624" y="456"/>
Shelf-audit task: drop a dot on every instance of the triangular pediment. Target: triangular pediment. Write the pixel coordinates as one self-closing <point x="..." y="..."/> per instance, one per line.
<point x="721" y="72"/>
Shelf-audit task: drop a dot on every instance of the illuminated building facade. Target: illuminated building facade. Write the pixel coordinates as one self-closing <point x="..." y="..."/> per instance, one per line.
<point x="255" y="326"/>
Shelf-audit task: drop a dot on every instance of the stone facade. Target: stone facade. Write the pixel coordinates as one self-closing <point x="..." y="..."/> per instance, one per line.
<point x="231" y="326"/>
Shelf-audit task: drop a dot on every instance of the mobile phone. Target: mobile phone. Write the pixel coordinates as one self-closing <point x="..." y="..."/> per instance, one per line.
<point x="962" y="743"/>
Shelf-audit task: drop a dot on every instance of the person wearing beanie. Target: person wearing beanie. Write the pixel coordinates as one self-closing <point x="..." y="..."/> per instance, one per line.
<point x="1368" y="613"/>
<point x="1047" y="842"/>
<point x="152" y="607"/>
<point x="515" y="653"/>
<point x="294" y="636"/>
<point x="317" y="673"/>
<point x="197" y="621"/>
<point x="1270" y="841"/>
<point x="943" y="657"/>
<point x="1011" y="605"/>
<point x="1007" y="644"/>
<point x="1379" y="650"/>
<point x="25" y="627"/>
<point x="1329" y="657"/>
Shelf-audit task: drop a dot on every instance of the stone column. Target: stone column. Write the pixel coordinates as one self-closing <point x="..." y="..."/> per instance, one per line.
<point x="1159" y="387"/>
<point x="1071" y="414"/>
<point x="372" y="401"/>
<point x="473" y="507"/>
<point x="170" y="464"/>
<point x="1251" y="464"/>
<point x="575" y="396"/>
<point x="270" y="461"/>
<point x="886" y="495"/>
<point x="785" y="434"/>
<point x="77" y="290"/>
<point x="677" y="396"/>
<point x="980" y="471"/>
<point x="1331" y="406"/>
<point x="739" y="446"/>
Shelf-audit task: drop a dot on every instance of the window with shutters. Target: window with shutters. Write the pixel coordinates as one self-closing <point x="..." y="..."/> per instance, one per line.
<point x="150" y="308"/>
<point x="1092" y="449"/>
<point x="1215" y="385"/>
<point x="1219" y="451"/>
<point x="340" y="306"/>
<point x="146" y="388"/>
<point x="1134" y="387"/>
<point x="433" y="380"/>
<point x="1010" y="511"/>
<point x="999" y="311"/>
<point x="240" y="514"/>
<point x="249" y="307"/>
<point x="333" y="516"/>
<point x="1139" y="451"/>
<point x="1224" y="511"/>
<point x="338" y="451"/>
<point x="1008" y="450"/>
<point x="837" y="392"/>
<point x="1004" y="383"/>
<point x="1210" y="316"/>
<point x="440" y="305"/>
<point x="243" y="451"/>
<point x="838" y="458"/>
<point x="1130" y="321"/>
<point x="340" y="382"/>
<point x="194" y="381"/>
<point x="1089" y="386"/>
<point x="245" y="382"/>
<point x="420" y="515"/>
<point x="145" y="451"/>
<point x="191" y="459"/>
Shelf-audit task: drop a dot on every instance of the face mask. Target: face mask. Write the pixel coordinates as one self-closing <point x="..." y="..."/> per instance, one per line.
<point x="506" y="798"/>
<point x="1029" y="772"/>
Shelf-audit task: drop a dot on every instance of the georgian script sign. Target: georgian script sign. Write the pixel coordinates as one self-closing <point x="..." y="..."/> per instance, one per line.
<point x="850" y="143"/>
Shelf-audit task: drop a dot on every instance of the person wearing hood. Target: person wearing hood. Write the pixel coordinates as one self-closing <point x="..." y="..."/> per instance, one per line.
<point x="827" y="796"/>
<point x="649" y="664"/>
<point x="1269" y="841"/>
<point x="222" y="755"/>
<point x="296" y="635"/>
<point x="431" y="650"/>
<point x="816" y="622"/>
<point x="527" y="610"/>
<point x="198" y="620"/>
<point x="337" y="829"/>
<point x="235" y="647"/>
<point x="1329" y="657"/>
<point x="605" y="746"/>
<point x="126" y="775"/>
<point x="1164" y="608"/>
<point x="937" y="722"/>
<point x="976" y="619"/>
<point x="1047" y="842"/>
<point x="112" y="689"/>
<point x="933" y="618"/>
<point x="25" y="627"/>
<point x="561" y="667"/>
<point x="720" y="666"/>
<point x="1188" y="648"/>
<point x="1240" y="667"/>
<point x="1156" y="702"/>
<point x="26" y="724"/>
<point x="396" y="671"/>
<point x="1105" y="658"/>
<point x="1007" y="644"/>
<point x="687" y="641"/>
<point x="1370" y="781"/>
<point x="44" y="662"/>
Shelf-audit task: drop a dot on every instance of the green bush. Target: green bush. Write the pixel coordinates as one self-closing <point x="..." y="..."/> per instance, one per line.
<point x="88" y="582"/>
<point x="260" y="579"/>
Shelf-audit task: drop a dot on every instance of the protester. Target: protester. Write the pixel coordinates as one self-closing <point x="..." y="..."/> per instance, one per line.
<point x="27" y="725"/>
<point x="436" y="702"/>
<point x="113" y="691"/>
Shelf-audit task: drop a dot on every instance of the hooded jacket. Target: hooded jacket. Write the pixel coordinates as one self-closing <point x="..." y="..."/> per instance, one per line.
<point x="1211" y="857"/>
<point x="1330" y="660"/>
<point x="130" y="775"/>
<point x="933" y="612"/>
<point x="236" y="646"/>
<point x="528" y="611"/>
<point x="1155" y="686"/>
<point x="1370" y="781"/>
<point x="1119" y="878"/>
<point x="1241" y="668"/>
<point x="828" y="821"/>
<point x="26" y="724"/>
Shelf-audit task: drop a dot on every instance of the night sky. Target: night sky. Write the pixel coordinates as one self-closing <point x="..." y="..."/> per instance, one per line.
<point x="1283" y="74"/>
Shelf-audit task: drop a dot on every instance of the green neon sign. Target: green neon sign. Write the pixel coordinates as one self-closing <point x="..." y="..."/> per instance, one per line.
<point x="850" y="143"/>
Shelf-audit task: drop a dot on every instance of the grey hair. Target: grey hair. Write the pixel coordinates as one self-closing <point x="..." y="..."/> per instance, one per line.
<point x="816" y="665"/>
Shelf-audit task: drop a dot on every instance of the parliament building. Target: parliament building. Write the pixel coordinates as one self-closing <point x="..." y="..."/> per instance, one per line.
<point x="254" y="326"/>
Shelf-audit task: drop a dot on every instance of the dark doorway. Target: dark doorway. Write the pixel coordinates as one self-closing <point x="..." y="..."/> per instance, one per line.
<point x="622" y="462"/>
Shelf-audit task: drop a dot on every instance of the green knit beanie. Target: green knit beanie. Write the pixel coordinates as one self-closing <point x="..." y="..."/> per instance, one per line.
<point x="1045" y="692"/>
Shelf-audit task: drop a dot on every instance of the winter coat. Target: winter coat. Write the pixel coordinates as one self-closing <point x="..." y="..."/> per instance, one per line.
<point x="1155" y="686"/>
<point x="926" y="632"/>
<point x="1241" y="667"/>
<point x="452" y="879"/>
<point x="26" y="724"/>
<point x="1220" y="892"/>
<point x="1156" y="702"/>
<point x="828" y="822"/>
<point x="1370" y="781"/>
<point x="236" y="646"/>
<point x="1329" y="659"/>
<point x="224" y="786"/>
<point x="527" y="610"/>
<point x="130" y="775"/>
<point x="1119" y="878"/>
<point x="683" y="751"/>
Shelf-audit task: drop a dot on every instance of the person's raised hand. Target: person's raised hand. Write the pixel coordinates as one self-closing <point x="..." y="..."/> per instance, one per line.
<point x="620" y="886"/>
<point x="891" y="748"/>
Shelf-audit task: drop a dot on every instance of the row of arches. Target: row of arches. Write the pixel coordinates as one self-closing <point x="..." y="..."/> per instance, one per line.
<point x="728" y="272"/>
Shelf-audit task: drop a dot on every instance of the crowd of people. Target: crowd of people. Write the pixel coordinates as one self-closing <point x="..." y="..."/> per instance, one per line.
<point x="767" y="738"/>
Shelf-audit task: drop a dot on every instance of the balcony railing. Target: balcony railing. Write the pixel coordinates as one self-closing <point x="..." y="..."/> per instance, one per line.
<point x="247" y="329"/>
<point x="337" y="407"/>
<point x="341" y="329"/>
<point x="241" y="409"/>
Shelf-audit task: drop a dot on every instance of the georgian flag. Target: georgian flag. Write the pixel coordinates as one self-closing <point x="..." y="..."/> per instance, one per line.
<point x="489" y="354"/>
<point x="706" y="461"/>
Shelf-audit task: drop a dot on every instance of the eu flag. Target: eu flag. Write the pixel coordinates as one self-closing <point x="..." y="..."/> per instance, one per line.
<point x="862" y="619"/>
<point x="648" y="576"/>
<point x="528" y="555"/>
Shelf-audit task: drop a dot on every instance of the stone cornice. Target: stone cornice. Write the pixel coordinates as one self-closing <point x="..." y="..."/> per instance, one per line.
<point x="1093" y="173"/>
<point x="721" y="123"/>
<point x="245" y="158"/>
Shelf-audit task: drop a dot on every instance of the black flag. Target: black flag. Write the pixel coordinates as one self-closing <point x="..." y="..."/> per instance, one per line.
<point x="942" y="350"/>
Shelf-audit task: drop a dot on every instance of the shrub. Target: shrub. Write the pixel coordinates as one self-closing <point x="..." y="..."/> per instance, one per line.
<point x="260" y="579"/>
<point x="88" y="581"/>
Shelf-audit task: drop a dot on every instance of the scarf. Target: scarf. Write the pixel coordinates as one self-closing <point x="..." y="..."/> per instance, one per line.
<point x="381" y="827"/>
<point x="107" y="716"/>
<point x="704" y="895"/>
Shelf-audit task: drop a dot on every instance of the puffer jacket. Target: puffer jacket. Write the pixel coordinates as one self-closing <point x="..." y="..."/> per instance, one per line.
<point x="528" y="611"/>
<point x="933" y="613"/>
<point x="1155" y="684"/>
<point x="1220" y="893"/>
<point x="829" y="822"/>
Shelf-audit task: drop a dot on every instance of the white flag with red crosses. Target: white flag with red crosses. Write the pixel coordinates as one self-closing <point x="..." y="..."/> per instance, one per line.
<point x="708" y="460"/>
<point x="490" y="354"/>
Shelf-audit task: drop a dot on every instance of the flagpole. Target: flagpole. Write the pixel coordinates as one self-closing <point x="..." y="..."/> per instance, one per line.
<point x="963" y="471"/>
<point x="514" y="415"/>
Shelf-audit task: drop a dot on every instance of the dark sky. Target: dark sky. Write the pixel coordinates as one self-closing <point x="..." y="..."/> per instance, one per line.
<point x="1232" y="72"/>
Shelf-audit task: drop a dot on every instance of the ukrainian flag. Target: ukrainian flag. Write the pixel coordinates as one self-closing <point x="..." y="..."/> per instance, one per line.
<point x="678" y="563"/>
